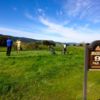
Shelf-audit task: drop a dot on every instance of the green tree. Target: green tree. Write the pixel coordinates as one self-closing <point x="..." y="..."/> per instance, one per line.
<point x="49" y="43"/>
<point x="3" y="40"/>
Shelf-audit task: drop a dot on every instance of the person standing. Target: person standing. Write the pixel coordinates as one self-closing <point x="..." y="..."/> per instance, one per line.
<point x="9" y="43"/>
<point x="18" y="43"/>
<point x="52" y="50"/>
<point x="64" y="49"/>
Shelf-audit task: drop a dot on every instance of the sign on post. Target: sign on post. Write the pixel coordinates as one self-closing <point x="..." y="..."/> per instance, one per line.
<point x="92" y="62"/>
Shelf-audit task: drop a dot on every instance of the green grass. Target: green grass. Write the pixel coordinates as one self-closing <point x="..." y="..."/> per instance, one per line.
<point x="38" y="75"/>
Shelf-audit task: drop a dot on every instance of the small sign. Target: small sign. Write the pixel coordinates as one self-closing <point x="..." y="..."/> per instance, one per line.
<point x="95" y="59"/>
<point x="94" y="55"/>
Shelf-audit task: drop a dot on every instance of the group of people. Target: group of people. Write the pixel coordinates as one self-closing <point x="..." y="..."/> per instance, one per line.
<point x="18" y="45"/>
<point x="9" y="43"/>
<point x="63" y="51"/>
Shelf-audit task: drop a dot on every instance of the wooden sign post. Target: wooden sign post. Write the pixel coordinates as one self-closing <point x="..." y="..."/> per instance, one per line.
<point x="92" y="62"/>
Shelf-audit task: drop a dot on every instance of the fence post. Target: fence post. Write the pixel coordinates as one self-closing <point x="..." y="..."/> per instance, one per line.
<point x="85" y="73"/>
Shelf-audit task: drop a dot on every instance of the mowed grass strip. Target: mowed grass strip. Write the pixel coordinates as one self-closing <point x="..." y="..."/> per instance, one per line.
<point x="38" y="75"/>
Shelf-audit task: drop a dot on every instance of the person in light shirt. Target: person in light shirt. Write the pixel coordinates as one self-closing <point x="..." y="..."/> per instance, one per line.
<point x="18" y="43"/>
<point x="64" y="49"/>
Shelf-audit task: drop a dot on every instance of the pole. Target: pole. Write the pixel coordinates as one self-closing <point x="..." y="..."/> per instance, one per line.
<point x="85" y="73"/>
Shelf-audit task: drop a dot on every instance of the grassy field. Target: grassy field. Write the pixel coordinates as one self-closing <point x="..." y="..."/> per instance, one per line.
<point x="38" y="75"/>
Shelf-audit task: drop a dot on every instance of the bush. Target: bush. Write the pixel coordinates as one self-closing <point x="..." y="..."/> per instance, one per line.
<point x="3" y="40"/>
<point x="49" y="43"/>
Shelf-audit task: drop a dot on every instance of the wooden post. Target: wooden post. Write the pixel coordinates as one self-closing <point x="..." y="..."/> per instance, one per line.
<point x="85" y="73"/>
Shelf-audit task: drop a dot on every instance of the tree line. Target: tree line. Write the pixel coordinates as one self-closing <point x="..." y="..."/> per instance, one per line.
<point x="36" y="45"/>
<point x="28" y="45"/>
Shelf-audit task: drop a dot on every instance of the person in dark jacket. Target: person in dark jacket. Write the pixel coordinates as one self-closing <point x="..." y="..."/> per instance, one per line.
<point x="9" y="43"/>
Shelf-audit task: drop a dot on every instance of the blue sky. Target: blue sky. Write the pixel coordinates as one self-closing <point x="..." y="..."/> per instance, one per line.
<point x="58" y="20"/>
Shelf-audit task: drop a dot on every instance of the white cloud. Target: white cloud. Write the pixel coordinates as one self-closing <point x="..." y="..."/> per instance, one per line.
<point x="46" y="22"/>
<point x="83" y="9"/>
<point x="40" y="35"/>
<point x="53" y="31"/>
<point x="14" y="32"/>
<point x="76" y="7"/>
<point x="79" y="34"/>
<point x="29" y="16"/>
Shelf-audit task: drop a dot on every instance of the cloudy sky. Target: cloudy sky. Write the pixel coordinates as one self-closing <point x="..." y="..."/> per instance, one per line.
<point x="58" y="20"/>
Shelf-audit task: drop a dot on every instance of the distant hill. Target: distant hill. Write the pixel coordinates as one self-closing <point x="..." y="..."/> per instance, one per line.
<point x="19" y="38"/>
<point x="23" y="39"/>
<point x="29" y="40"/>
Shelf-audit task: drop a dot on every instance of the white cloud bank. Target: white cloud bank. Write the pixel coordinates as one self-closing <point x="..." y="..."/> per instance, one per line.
<point x="39" y="36"/>
<point x="53" y="31"/>
<point x="80" y="34"/>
